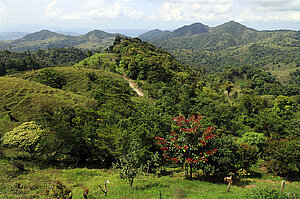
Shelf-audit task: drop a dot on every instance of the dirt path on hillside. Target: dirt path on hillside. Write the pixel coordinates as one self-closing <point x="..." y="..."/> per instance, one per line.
<point x="134" y="87"/>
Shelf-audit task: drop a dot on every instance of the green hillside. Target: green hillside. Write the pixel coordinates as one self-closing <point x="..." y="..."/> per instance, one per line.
<point x="26" y="101"/>
<point x="85" y="123"/>
<point x="45" y="39"/>
<point x="233" y="44"/>
<point x="185" y="31"/>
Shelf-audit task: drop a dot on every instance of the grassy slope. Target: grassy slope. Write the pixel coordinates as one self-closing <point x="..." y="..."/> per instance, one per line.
<point x="31" y="183"/>
<point x="27" y="100"/>
<point x="281" y="71"/>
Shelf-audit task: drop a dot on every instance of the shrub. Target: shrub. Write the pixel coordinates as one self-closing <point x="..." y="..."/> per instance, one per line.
<point x="254" y="139"/>
<point x="231" y="157"/>
<point x="51" y="78"/>
<point x="74" y="137"/>
<point x="25" y="137"/>
<point x="130" y="165"/>
<point x="282" y="157"/>
<point x="58" y="190"/>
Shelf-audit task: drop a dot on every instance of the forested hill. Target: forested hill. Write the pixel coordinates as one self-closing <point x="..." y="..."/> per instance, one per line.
<point x="45" y="39"/>
<point x="88" y="115"/>
<point x="233" y="44"/>
<point x="185" y="31"/>
<point x="198" y="36"/>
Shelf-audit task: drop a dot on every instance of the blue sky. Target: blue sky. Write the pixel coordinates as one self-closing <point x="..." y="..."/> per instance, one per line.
<point x="33" y="15"/>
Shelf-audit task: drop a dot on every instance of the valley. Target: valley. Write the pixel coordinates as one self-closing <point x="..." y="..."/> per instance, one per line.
<point x="167" y="114"/>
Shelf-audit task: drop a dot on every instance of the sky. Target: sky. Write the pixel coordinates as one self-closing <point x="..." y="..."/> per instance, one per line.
<point x="84" y="15"/>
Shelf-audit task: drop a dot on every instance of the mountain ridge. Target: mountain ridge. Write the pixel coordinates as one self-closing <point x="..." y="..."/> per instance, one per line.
<point x="192" y="30"/>
<point x="45" y="39"/>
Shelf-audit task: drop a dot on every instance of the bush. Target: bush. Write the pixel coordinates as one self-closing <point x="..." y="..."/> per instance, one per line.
<point x="58" y="190"/>
<point x="25" y="137"/>
<point x="282" y="157"/>
<point x="129" y="164"/>
<point x="231" y="157"/>
<point x="254" y="139"/>
<point x="74" y="137"/>
<point x="51" y="78"/>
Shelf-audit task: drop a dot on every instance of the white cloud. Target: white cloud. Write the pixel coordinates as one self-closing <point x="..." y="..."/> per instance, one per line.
<point x="2" y="7"/>
<point x="286" y="16"/>
<point x="193" y="10"/>
<point x="92" y="9"/>
<point x="52" y="10"/>
<point x="279" y="5"/>
<point x="248" y="15"/>
<point x="2" y="10"/>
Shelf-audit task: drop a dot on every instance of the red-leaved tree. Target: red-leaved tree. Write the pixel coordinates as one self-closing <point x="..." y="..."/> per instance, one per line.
<point x="188" y="145"/>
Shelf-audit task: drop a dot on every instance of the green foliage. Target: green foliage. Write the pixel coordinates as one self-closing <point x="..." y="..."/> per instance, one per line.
<point x="27" y="100"/>
<point x="52" y="78"/>
<point x="25" y="137"/>
<point x="189" y="144"/>
<point x="130" y="165"/>
<point x="295" y="77"/>
<point x="270" y="193"/>
<point x="58" y="190"/>
<point x="74" y="137"/>
<point x="282" y="157"/>
<point x="285" y="106"/>
<point x="254" y="139"/>
<point x="231" y="157"/>
<point x="144" y="61"/>
<point x="12" y="62"/>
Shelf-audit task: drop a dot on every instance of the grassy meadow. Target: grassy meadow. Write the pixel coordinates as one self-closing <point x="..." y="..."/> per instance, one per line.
<point x="33" y="182"/>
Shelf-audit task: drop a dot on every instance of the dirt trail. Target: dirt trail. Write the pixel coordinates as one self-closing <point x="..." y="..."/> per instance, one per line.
<point x="134" y="87"/>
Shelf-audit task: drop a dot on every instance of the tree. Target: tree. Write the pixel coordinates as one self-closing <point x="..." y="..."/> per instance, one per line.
<point x="285" y="106"/>
<point x="89" y="53"/>
<point x="228" y="88"/>
<point x="25" y="137"/>
<point x="51" y="78"/>
<point x="74" y="137"/>
<point x="189" y="144"/>
<point x="130" y="165"/>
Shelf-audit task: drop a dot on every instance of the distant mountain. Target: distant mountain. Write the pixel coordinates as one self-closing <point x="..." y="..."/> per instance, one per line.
<point x="185" y="31"/>
<point x="11" y="35"/>
<point x="232" y="44"/>
<point x="127" y="32"/>
<point x="41" y="35"/>
<point x="194" y="29"/>
<point x="154" y="34"/>
<point x="45" y="39"/>
<point x="199" y="36"/>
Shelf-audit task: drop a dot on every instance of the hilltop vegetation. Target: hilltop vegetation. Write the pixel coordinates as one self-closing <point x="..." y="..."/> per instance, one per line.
<point x="12" y="62"/>
<point x="91" y="117"/>
<point x="45" y="39"/>
<point x="232" y="44"/>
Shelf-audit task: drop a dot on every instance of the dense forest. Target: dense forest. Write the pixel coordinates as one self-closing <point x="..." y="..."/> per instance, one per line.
<point x="87" y="115"/>
<point x="233" y="44"/>
<point x="12" y="62"/>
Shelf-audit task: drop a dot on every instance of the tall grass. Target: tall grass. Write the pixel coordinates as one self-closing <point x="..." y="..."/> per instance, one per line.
<point x="34" y="181"/>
